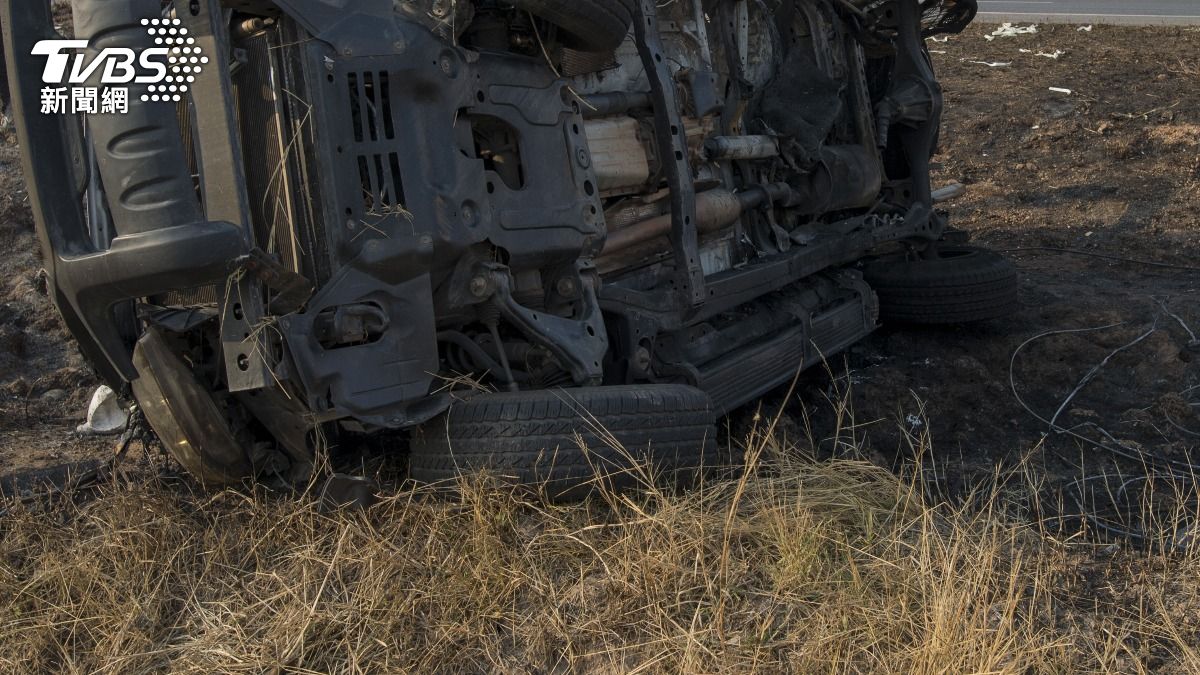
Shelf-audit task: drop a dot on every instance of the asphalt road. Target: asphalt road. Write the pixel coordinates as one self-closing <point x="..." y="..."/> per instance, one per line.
<point x="1147" y="12"/>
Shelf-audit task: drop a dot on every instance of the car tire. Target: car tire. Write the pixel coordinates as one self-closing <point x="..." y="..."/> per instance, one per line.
<point x="963" y="284"/>
<point x="533" y="438"/>
<point x="586" y="25"/>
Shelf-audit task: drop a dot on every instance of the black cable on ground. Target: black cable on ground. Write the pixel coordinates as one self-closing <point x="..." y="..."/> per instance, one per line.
<point x="1182" y="472"/>
<point x="1180" y="469"/>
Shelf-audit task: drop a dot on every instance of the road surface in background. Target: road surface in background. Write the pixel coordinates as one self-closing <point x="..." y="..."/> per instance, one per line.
<point x="1146" y="12"/>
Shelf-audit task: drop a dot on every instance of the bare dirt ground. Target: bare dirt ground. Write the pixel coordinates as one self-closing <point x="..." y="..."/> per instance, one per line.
<point x="1111" y="168"/>
<point x="44" y="382"/>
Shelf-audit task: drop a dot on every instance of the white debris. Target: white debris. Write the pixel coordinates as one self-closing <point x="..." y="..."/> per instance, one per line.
<point x="1084" y="29"/>
<point x="937" y="51"/>
<point x="105" y="415"/>
<point x="914" y="422"/>
<point x="1060" y="90"/>
<point x="944" y="38"/>
<point x="1009" y="30"/>
<point x="993" y="64"/>
<point x="1025" y="51"/>
<point x="951" y="191"/>
<point x="1051" y="55"/>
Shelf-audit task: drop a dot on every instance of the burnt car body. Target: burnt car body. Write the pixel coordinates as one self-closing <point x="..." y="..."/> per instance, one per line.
<point x="357" y="202"/>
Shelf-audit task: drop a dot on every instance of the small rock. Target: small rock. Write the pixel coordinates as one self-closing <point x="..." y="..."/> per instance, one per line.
<point x="53" y="396"/>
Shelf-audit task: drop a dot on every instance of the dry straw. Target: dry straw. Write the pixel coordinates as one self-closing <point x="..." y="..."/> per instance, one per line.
<point x="795" y="565"/>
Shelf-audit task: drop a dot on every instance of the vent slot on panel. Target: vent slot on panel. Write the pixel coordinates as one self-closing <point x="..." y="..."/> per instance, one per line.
<point x="372" y="124"/>
<point x="371" y="106"/>
<point x="382" y="190"/>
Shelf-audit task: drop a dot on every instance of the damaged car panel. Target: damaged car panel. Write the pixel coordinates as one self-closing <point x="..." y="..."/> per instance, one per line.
<point x="356" y="204"/>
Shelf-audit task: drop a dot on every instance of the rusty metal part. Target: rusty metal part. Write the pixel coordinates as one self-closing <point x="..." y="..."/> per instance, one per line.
<point x="715" y="209"/>
<point x="741" y="147"/>
<point x="639" y="241"/>
<point x="292" y="290"/>
<point x="633" y="211"/>
<point x="618" y="155"/>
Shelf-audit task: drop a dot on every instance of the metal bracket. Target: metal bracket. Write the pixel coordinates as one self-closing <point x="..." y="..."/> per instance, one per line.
<point x="915" y="102"/>
<point x="292" y="290"/>
<point x="672" y="146"/>
<point x="579" y="344"/>
<point x="224" y="188"/>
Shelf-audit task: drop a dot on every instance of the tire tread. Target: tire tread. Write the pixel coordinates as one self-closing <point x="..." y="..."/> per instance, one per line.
<point x="529" y="438"/>
<point x="975" y="285"/>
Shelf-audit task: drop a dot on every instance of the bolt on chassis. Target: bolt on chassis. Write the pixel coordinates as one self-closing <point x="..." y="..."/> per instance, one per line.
<point x="540" y="237"/>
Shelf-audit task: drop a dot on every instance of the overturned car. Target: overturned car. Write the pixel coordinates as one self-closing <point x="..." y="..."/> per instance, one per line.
<point x="613" y="219"/>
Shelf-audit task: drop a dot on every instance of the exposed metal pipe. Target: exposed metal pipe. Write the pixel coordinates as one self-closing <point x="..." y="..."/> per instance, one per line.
<point x="613" y="103"/>
<point x="845" y="178"/>
<point x="741" y="147"/>
<point x="715" y="210"/>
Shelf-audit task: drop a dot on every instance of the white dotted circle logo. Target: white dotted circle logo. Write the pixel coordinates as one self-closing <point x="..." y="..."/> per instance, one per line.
<point x="184" y="63"/>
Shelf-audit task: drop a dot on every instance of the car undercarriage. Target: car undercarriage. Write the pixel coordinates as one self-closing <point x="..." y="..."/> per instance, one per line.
<point x="646" y="214"/>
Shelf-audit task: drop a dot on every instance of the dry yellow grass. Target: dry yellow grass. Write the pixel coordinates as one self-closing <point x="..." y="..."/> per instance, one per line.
<point x="796" y="566"/>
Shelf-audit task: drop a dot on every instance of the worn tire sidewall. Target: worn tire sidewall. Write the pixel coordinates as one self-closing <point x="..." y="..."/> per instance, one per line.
<point x="533" y="438"/>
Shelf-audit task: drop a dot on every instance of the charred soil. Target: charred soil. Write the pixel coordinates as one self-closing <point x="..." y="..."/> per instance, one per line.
<point x="1113" y="168"/>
